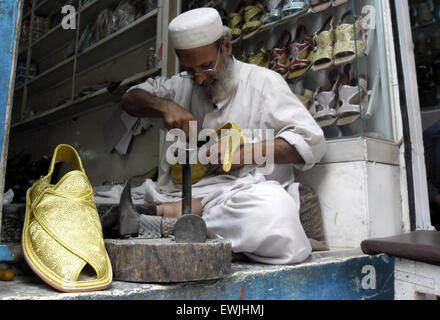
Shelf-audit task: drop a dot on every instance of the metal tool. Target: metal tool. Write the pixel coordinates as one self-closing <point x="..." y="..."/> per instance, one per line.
<point x="162" y="249"/>
<point x="188" y="228"/>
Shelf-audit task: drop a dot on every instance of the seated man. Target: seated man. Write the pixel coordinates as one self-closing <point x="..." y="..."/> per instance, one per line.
<point x="258" y="211"/>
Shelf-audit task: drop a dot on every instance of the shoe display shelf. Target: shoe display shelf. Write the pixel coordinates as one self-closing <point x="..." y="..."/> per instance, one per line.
<point x="65" y="66"/>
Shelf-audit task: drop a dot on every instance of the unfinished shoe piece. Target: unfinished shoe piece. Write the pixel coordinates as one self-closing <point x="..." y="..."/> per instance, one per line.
<point x="326" y="100"/>
<point x="348" y="46"/>
<point x="353" y="98"/>
<point x="62" y="235"/>
<point x="300" y="53"/>
<point x="324" y="41"/>
<point x="319" y="5"/>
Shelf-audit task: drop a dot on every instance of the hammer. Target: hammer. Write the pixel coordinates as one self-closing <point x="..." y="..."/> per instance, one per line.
<point x="188" y="228"/>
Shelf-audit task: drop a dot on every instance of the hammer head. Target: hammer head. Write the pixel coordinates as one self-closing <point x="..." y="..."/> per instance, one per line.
<point x="132" y="222"/>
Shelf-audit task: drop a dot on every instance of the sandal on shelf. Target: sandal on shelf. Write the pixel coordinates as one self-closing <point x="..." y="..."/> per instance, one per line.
<point x="304" y="95"/>
<point x="254" y="18"/>
<point x="326" y="100"/>
<point x="324" y="39"/>
<point x="273" y="10"/>
<point x="300" y="53"/>
<point x="348" y="46"/>
<point x="319" y="5"/>
<point x="236" y="22"/>
<point x="294" y="8"/>
<point x="306" y="98"/>
<point x="279" y="54"/>
<point x="244" y="56"/>
<point x="353" y="99"/>
<point x="261" y="57"/>
<point x="336" y="3"/>
<point x="62" y="235"/>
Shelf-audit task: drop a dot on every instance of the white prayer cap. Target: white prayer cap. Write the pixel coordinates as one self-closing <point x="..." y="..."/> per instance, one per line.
<point x="195" y="28"/>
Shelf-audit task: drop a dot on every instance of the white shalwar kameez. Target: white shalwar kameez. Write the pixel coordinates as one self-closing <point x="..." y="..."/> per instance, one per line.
<point x="258" y="213"/>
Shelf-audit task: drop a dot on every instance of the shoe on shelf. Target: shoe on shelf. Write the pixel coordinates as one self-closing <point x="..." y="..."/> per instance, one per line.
<point x="336" y="3"/>
<point x="273" y="10"/>
<point x="353" y="97"/>
<point x="348" y="46"/>
<point x="304" y="95"/>
<point x="319" y="5"/>
<point x="254" y="19"/>
<point x="260" y="57"/>
<point x="324" y="41"/>
<point x="424" y="12"/>
<point x="279" y="54"/>
<point x="300" y="53"/>
<point x="295" y="8"/>
<point x="326" y="100"/>
<point x="236" y="22"/>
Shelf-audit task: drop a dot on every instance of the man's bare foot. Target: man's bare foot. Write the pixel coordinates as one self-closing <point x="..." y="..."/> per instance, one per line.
<point x="174" y="209"/>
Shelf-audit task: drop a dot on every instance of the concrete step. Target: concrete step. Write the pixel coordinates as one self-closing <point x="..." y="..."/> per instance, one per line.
<point x="332" y="275"/>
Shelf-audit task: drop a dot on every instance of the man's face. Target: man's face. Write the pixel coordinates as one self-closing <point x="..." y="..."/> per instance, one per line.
<point x="197" y="60"/>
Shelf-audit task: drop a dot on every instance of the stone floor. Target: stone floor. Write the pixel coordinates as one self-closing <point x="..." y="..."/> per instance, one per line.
<point x="335" y="274"/>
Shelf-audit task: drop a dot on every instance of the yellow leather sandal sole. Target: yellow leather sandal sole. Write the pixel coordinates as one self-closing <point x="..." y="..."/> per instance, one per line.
<point x="234" y="138"/>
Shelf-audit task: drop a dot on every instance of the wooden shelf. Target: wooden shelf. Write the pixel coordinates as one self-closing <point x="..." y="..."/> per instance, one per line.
<point x="62" y="71"/>
<point x="435" y="23"/>
<point x="126" y="37"/>
<point x="44" y="8"/>
<point x="55" y="38"/>
<point x="92" y="55"/>
<point x="280" y="22"/>
<point x="214" y="4"/>
<point x="59" y="77"/>
<point x="80" y="105"/>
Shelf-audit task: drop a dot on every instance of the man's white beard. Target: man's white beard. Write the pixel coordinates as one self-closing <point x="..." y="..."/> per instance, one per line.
<point x="224" y="81"/>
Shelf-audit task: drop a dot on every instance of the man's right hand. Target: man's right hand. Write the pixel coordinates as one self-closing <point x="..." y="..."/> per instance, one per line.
<point x="140" y="103"/>
<point x="177" y="117"/>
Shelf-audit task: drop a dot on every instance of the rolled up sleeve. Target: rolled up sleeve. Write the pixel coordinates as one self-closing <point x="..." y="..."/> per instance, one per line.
<point x="293" y="123"/>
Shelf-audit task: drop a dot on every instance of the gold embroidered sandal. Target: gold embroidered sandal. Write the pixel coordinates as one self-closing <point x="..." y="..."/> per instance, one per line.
<point x="323" y="55"/>
<point x="348" y="46"/>
<point x="62" y="235"/>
